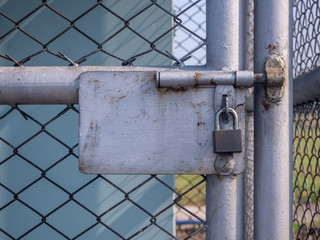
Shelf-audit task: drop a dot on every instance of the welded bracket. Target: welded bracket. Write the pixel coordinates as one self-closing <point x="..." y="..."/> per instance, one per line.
<point x="275" y="78"/>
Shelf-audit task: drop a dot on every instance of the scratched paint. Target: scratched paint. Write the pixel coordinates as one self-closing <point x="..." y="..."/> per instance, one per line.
<point x="145" y="129"/>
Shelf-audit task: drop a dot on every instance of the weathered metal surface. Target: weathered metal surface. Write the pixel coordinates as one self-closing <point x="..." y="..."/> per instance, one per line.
<point x="275" y="81"/>
<point x="59" y="85"/>
<point x="178" y="79"/>
<point x="47" y="85"/>
<point x="128" y="125"/>
<point x="223" y="204"/>
<point x="273" y="124"/>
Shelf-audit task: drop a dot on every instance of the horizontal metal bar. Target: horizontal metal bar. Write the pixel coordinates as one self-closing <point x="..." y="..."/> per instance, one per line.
<point x="179" y="79"/>
<point x="306" y="87"/>
<point x="47" y="85"/>
<point x="59" y="85"/>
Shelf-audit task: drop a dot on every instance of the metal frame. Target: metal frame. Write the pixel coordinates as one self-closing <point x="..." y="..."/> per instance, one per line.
<point x="273" y="121"/>
<point x="225" y="208"/>
<point x="59" y="85"/>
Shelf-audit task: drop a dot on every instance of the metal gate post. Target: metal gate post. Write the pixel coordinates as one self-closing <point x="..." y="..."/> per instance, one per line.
<point x="272" y="124"/>
<point x="224" y="193"/>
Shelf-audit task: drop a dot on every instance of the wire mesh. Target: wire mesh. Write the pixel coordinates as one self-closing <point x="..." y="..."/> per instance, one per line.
<point x="306" y="182"/>
<point x="102" y="32"/>
<point x="194" y="201"/>
<point x="87" y="216"/>
<point x="41" y="192"/>
<point x="306" y="35"/>
<point x="306" y="171"/>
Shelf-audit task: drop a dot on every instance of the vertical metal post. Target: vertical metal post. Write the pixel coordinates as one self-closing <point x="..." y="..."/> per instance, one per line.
<point x="224" y="193"/>
<point x="272" y="125"/>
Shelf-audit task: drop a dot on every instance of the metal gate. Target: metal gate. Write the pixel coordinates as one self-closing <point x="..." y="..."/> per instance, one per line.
<point x="226" y="49"/>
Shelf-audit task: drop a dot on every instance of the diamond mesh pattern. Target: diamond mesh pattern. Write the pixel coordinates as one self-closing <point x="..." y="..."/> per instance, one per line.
<point x="306" y="35"/>
<point x="193" y="201"/>
<point x="306" y="178"/>
<point x="25" y="217"/>
<point x="74" y="209"/>
<point x="306" y="170"/>
<point x="119" y="35"/>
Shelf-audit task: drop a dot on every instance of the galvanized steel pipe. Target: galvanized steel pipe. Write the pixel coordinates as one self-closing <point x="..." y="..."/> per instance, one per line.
<point x="225" y="210"/>
<point x="178" y="79"/>
<point x="59" y="85"/>
<point x="47" y="85"/>
<point x="273" y="121"/>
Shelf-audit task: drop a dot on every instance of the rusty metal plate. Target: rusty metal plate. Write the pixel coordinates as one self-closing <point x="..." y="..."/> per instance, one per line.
<point x="129" y="126"/>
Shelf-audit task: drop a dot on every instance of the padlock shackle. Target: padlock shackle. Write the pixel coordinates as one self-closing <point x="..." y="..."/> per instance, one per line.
<point x="234" y="115"/>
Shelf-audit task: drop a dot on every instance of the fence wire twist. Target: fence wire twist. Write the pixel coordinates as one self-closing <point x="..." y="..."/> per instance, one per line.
<point x="306" y="174"/>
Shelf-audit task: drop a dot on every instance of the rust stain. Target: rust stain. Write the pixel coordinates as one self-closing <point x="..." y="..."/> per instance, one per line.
<point x="199" y="105"/>
<point x="275" y="69"/>
<point x="85" y="147"/>
<point x="257" y="77"/>
<point x="154" y="77"/>
<point x="93" y="136"/>
<point x="201" y="123"/>
<point x="82" y="169"/>
<point x="119" y="98"/>
<point x="164" y="91"/>
<point x="196" y="82"/>
<point x="266" y="105"/>
<point x="86" y="168"/>
<point x="116" y="99"/>
<point x="200" y="169"/>
<point x="93" y="81"/>
<point x="271" y="48"/>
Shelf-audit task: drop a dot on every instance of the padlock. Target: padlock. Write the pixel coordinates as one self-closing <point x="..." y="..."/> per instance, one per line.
<point x="228" y="140"/>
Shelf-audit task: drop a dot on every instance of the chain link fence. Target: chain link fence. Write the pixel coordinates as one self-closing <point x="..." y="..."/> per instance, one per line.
<point x="194" y="201"/>
<point x="306" y="182"/>
<point x="102" y="32"/>
<point x="22" y="217"/>
<point x="306" y="167"/>
<point x="42" y="192"/>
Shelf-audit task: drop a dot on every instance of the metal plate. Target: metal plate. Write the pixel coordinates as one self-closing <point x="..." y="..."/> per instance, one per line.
<point x="128" y="126"/>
